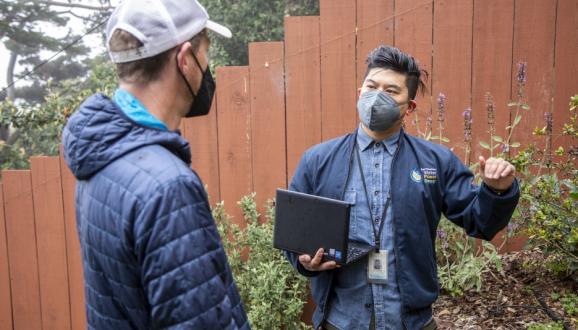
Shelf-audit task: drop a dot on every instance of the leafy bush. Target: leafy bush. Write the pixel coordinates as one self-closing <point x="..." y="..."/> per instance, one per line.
<point x="548" y="211"/>
<point x="461" y="263"/>
<point x="272" y="292"/>
<point x="37" y="127"/>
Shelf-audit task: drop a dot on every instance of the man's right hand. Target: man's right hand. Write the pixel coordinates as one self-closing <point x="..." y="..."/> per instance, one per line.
<point x="314" y="264"/>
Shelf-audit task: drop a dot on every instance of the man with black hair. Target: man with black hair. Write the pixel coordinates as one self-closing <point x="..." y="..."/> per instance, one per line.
<point x="399" y="186"/>
<point x="151" y="252"/>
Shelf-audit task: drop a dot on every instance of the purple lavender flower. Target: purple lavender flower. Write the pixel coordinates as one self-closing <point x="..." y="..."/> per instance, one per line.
<point x="441" y="108"/>
<point x="491" y="112"/>
<point x="441" y="234"/>
<point x="467" y="114"/>
<point x="512" y="226"/>
<point x="522" y="73"/>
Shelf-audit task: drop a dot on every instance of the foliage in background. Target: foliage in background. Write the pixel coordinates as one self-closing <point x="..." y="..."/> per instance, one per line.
<point x="273" y="293"/>
<point x="548" y="211"/>
<point x="39" y="126"/>
<point x="461" y="264"/>
<point x="266" y="23"/>
<point x="33" y="114"/>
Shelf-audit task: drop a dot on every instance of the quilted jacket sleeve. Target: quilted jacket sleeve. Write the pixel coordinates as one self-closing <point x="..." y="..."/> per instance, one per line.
<point x="477" y="209"/>
<point x="184" y="269"/>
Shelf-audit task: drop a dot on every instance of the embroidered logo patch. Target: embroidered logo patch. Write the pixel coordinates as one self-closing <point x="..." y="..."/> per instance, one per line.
<point x="427" y="175"/>
<point x="416" y="175"/>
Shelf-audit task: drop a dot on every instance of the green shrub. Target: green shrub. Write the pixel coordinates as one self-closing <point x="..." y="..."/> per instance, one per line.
<point x="460" y="263"/>
<point x="272" y="292"/>
<point x="548" y="211"/>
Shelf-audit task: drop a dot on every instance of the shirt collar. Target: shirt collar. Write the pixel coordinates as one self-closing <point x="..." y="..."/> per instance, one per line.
<point x="136" y="111"/>
<point x="364" y="141"/>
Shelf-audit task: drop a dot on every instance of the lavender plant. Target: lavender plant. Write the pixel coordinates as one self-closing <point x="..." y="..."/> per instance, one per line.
<point x="441" y="119"/>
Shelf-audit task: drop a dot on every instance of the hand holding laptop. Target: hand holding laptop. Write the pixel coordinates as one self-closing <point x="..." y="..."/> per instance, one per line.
<point x="314" y="264"/>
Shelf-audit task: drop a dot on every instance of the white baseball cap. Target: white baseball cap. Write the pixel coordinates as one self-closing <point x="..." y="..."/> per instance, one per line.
<point x="159" y="25"/>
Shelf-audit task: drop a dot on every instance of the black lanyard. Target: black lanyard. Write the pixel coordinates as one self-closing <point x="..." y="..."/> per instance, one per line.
<point x="377" y="235"/>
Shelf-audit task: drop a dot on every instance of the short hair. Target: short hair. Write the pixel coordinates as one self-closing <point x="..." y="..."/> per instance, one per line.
<point x="388" y="57"/>
<point x="147" y="69"/>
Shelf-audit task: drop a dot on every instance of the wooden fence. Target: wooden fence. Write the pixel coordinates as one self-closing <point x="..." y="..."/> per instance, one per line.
<point x="292" y="95"/>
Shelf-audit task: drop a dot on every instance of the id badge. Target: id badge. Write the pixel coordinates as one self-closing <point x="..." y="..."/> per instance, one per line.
<point x="377" y="267"/>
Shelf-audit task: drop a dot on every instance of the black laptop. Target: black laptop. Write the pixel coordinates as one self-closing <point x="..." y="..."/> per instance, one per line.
<point x="304" y="223"/>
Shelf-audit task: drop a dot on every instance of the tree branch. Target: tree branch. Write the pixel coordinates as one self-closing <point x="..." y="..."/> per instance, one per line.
<point x="14" y="137"/>
<point x="76" y="5"/>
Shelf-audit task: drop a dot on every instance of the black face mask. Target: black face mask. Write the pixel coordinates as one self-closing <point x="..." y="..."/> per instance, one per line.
<point x="202" y="101"/>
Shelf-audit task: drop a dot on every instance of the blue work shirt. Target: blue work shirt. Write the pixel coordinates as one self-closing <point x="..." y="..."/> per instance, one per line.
<point x="353" y="300"/>
<point x="136" y="111"/>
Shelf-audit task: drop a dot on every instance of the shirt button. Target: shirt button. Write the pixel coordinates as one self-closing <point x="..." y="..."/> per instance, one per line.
<point x="376" y="192"/>
<point x="368" y="306"/>
<point x="376" y="220"/>
<point x="377" y="145"/>
<point x="376" y="165"/>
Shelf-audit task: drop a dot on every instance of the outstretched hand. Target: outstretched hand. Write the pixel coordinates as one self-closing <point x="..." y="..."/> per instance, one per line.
<point x="497" y="173"/>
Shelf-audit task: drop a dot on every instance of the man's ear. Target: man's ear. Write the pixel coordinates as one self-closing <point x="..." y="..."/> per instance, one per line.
<point x="359" y="92"/>
<point x="182" y="61"/>
<point x="411" y="106"/>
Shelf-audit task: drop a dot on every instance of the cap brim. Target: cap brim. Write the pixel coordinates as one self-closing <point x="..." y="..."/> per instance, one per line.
<point x="218" y="28"/>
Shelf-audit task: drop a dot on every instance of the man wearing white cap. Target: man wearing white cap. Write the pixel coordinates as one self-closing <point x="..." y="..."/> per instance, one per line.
<point x="152" y="255"/>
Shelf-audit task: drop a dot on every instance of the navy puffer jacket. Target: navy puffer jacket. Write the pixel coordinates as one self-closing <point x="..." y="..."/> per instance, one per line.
<point x="152" y="255"/>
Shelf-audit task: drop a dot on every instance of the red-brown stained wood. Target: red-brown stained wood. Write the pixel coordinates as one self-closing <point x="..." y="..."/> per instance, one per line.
<point x="413" y="35"/>
<point x="302" y="87"/>
<point x="51" y="242"/>
<point x="491" y="73"/>
<point x="534" y="33"/>
<point x="234" y="127"/>
<point x="452" y="66"/>
<point x="5" y="297"/>
<point x="201" y="132"/>
<point x="566" y="67"/>
<point x="75" y="271"/>
<point x="491" y="69"/>
<point x="21" y="238"/>
<point x="338" y="67"/>
<point x="266" y="71"/>
<point x="375" y="22"/>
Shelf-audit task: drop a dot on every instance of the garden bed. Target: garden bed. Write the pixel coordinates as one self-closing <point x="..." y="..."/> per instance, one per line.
<point x="524" y="294"/>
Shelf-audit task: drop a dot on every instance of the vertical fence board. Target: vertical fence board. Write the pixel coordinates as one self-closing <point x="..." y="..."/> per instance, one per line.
<point x="413" y="35"/>
<point x="50" y="242"/>
<point x="491" y="72"/>
<point x="566" y="67"/>
<point x="21" y="238"/>
<point x="234" y="127"/>
<point x="5" y="297"/>
<point x="266" y="70"/>
<point x="201" y="132"/>
<point x="491" y="68"/>
<point x="534" y="32"/>
<point x="374" y="28"/>
<point x="338" y="67"/>
<point x="75" y="271"/>
<point x="303" y="87"/>
<point x="452" y="65"/>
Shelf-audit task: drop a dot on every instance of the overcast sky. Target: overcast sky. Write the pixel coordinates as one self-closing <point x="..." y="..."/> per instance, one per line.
<point x="76" y="24"/>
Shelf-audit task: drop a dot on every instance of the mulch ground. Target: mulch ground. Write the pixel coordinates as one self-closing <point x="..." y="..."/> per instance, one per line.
<point x="513" y="299"/>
